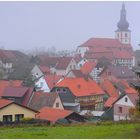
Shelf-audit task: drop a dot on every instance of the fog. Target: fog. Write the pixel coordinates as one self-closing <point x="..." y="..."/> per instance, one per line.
<point x="63" y="25"/>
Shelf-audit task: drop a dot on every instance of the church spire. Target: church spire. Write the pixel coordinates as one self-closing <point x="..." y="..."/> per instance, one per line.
<point x="123" y="24"/>
<point x="123" y="33"/>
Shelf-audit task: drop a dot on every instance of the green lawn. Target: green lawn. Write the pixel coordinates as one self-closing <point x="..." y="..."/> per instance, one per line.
<point x="78" y="132"/>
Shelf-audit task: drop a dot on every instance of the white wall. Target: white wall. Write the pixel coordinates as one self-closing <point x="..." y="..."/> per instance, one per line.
<point x="82" y="50"/>
<point x="42" y="85"/>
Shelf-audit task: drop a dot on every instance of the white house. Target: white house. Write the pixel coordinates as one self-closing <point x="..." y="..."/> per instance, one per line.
<point x="46" y="83"/>
<point x="122" y="106"/>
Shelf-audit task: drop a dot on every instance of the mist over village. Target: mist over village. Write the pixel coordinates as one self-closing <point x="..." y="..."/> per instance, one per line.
<point x="69" y="80"/>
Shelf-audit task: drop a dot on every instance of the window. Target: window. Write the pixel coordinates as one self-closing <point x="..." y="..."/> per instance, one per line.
<point x="120" y="110"/>
<point x="126" y="99"/>
<point x="71" y="67"/>
<point x="41" y="84"/>
<point x="7" y="118"/>
<point x="18" y="117"/>
<point x="64" y="90"/>
<point x="125" y="34"/>
<point x="57" y="104"/>
<point x="57" y="90"/>
<point x="80" y="65"/>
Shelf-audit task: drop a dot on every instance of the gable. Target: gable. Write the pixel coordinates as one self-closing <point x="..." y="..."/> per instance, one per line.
<point x="36" y="71"/>
<point x="42" y="84"/>
<point x="122" y="101"/>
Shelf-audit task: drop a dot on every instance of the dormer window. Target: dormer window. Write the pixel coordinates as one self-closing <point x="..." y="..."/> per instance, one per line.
<point x="57" y="90"/>
<point x="64" y="90"/>
<point x="57" y="104"/>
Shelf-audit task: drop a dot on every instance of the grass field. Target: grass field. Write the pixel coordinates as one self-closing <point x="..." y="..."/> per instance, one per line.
<point x="78" y="132"/>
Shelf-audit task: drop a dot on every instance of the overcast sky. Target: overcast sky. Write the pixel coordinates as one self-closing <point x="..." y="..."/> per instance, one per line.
<point x="65" y="25"/>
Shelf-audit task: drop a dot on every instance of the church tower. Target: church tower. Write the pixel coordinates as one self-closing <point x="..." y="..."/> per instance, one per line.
<point x="123" y="33"/>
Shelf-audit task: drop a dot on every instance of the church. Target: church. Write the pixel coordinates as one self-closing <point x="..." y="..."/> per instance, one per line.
<point x="117" y="50"/>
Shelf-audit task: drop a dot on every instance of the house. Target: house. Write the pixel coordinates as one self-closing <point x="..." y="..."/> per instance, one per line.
<point x="9" y="57"/>
<point x="54" y="115"/>
<point x="5" y="83"/>
<point x="122" y="106"/>
<point x="44" y="99"/>
<point x="120" y="72"/>
<point x="11" y="111"/>
<point x="64" y="66"/>
<point x="49" y="61"/>
<point x="84" y="91"/>
<point x="20" y="95"/>
<point x="47" y="82"/>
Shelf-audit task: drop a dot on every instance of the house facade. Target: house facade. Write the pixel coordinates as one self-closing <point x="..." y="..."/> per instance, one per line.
<point x="85" y="92"/>
<point x="10" y="111"/>
<point x="122" y="106"/>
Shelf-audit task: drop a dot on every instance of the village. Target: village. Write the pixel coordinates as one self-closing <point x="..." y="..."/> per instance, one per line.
<point x="99" y="81"/>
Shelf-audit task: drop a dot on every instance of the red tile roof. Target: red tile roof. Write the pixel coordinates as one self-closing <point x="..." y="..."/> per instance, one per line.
<point x="44" y="69"/>
<point x="81" y="87"/>
<point x="128" y="89"/>
<point x="7" y="54"/>
<point x="107" y="47"/>
<point x="52" y="114"/>
<point x="63" y="63"/>
<point x="88" y="67"/>
<point x="110" y="89"/>
<point x="52" y="79"/>
<point x="123" y="54"/>
<point x="134" y="98"/>
<point x="49" y="60"/>
<point x="4" y="102"/>
<point x="15" y="91"/>
<point x="98" y="49"/>
<point x="110" y="101"/>
<point x="4" y="84"/>
<point x="102" y="42"/>
<point x="27" y="96"/>
<point x="98" y="55"/>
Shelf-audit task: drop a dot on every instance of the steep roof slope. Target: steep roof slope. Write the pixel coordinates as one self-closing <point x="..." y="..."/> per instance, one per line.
<point x="42" y="99"/>
<point x="81" y="87"/>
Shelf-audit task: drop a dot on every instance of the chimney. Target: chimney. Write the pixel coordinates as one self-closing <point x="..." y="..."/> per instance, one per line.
<point x="79" y="86"/>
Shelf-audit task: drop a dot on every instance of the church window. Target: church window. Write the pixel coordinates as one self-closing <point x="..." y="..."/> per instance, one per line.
<point x="125" y="35"/>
